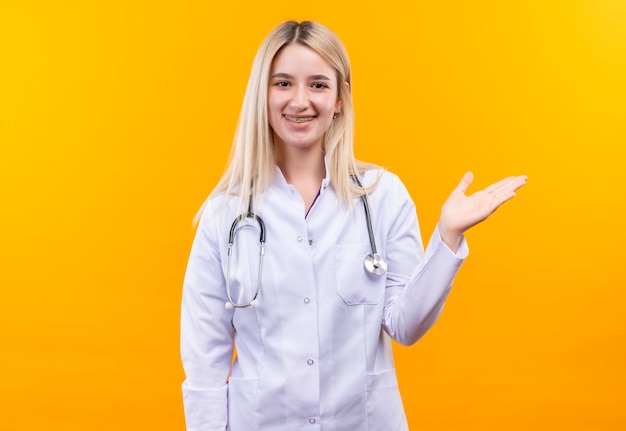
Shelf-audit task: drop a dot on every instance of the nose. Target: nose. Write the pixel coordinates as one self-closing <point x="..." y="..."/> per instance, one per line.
<point x="299" y="100"/>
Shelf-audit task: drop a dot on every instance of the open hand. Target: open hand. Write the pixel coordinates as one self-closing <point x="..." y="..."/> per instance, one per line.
<point x="460" y="212"/>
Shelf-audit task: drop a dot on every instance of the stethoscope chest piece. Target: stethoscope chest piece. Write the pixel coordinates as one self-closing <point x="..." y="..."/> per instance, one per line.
<point x="375" y="264"/>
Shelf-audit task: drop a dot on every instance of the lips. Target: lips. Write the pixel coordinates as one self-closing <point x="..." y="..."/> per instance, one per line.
<point x="298" y="119"/>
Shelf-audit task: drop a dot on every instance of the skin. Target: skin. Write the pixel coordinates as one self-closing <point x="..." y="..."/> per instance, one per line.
<point x="460" y="211"/>
<point x="302" y="99"/>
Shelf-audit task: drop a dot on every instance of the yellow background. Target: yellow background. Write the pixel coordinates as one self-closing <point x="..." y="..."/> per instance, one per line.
<point x="116" y="119"/>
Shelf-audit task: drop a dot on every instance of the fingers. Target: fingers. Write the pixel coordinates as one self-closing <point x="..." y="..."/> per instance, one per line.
<point x="500" y="191"/>
<point x="505" y="189"/>
<point x="507" y="184"/>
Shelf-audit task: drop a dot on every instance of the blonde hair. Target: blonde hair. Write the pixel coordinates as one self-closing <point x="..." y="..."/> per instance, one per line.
<point x="252" y="160"/>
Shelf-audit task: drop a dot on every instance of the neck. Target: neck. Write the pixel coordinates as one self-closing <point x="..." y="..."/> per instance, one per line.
<point x="305" y="170"/>
<point x="302" y="165"/>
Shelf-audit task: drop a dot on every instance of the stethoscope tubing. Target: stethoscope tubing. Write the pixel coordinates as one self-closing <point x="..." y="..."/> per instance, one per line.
<point x="373" y="262"/>
<point x="231" y="239"/>
<point x="368" y="217"/>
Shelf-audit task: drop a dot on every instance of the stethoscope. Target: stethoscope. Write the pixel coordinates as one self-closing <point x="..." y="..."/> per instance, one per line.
<point x="373" y="262"/>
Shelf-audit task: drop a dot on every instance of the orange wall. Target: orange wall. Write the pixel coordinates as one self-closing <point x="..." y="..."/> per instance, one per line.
<point x="116" y="120"/>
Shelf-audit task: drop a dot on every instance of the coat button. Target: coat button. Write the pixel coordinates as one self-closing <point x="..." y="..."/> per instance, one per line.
<point x="311" y="421"/>
<point x="310" y="362"/>
<point x="307" y="300"/>
<point x="299" y="238"/>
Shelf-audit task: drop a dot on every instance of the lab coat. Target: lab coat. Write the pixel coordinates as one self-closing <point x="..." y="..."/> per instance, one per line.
<point x="315" y="352"/>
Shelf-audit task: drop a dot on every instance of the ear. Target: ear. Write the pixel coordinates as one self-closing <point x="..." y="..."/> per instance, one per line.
<point x="338" y="103"/>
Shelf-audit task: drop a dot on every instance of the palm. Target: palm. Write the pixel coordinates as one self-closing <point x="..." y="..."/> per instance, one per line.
<point x="460" y="212"/>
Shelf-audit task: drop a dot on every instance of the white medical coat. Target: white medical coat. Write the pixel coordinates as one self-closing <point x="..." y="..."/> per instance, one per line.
<point x="315" y="353"/>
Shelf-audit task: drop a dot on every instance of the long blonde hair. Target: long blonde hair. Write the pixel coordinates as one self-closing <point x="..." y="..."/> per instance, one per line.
<point x="252" y="160"/>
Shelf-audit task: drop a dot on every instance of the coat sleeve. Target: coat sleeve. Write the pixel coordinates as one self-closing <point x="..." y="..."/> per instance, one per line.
<point x="418" y="282"/>
<point x="206" y="332"/>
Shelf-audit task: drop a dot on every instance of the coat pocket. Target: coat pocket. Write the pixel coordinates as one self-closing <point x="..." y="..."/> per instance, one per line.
<point x="242" y="400"/>
<point x="385" y="411"/>
<point x="356" y="285"/>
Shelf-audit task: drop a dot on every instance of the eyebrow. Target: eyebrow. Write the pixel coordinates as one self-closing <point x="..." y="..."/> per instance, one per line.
<point x="288" y="76"/>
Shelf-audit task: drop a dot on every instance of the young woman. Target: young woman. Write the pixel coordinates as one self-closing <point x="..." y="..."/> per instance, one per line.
<point x="309" y="261"/>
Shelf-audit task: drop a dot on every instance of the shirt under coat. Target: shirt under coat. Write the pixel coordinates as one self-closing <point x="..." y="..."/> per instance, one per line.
<point x="315" y="352"/>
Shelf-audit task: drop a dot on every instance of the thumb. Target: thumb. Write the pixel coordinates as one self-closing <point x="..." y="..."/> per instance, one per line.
<point x="465" y="182"/>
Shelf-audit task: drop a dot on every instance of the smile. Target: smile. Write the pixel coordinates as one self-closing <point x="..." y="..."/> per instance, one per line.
<point x="298" y="119"/>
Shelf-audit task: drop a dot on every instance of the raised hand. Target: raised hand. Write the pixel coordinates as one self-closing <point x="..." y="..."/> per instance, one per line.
<point x="460" y="212"/>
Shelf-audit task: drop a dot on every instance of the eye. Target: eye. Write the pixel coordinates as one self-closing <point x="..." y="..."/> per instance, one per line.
<point x="319" y="85"/>
<point x="281" y="84"/>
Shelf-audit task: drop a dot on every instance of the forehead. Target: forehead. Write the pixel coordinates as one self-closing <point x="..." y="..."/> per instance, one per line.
<point x="296" y="59"/>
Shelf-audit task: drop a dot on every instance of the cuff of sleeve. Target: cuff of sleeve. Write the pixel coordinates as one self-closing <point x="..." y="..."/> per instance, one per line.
<point x="436" y="243"/>
<point x="205" y="409"/>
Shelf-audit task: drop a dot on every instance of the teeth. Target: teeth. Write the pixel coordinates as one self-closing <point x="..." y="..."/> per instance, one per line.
<point x="299" y="120"/>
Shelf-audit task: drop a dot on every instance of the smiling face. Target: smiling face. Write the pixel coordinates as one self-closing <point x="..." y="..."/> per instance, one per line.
<point x="302" y="98"/>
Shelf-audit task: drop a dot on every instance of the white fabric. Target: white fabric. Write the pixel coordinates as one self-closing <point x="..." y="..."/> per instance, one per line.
<point x="315" y="353"/>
